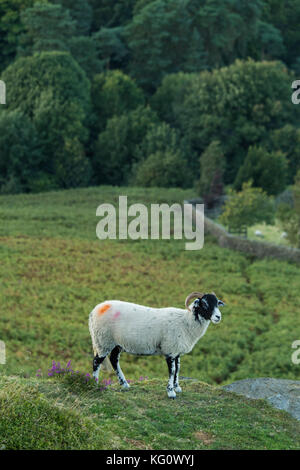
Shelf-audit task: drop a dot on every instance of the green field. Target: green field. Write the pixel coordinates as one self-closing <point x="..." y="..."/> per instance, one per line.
<point x="53" y="271"/>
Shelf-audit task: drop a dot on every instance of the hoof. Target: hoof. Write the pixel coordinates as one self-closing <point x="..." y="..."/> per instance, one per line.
<point x="125" y="386"/>
<point x="171" y="394"/>
<point x="178" y="389"/>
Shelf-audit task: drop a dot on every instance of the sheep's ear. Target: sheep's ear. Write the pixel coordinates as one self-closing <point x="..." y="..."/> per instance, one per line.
<point x="220" y="303"/>
<point x="204" y="303"/>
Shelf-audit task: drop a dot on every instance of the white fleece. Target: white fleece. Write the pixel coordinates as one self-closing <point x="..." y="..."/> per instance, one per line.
<point x="144" y="330"/>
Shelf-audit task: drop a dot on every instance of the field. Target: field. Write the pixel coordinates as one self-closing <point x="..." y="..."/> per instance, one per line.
<point x="53" y="271"/>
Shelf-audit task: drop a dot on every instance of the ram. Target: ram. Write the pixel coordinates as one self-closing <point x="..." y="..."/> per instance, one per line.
<point x="117" y="326"/>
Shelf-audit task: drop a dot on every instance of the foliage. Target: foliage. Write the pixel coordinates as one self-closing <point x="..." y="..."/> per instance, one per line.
<point x="267" y="170"/>
<point x="53" y="91"/>
<point x="114" y="93"/>
<point x="20" y="153"/>
<point x="162" y="40"/>
<point x="116" y="149"/>
<point x="81" y="12"/>
<point x="247" y="207"/>
<point x="162" y="169"/>
<point x="111" y="48"/>
<point x="11" y="28"/>
<point x="48" y="27"/>
<point x="212" y="164"/>
<point x="287" y="140"/>
<point x="290" y="216"/>
<point x="238" y="105"/>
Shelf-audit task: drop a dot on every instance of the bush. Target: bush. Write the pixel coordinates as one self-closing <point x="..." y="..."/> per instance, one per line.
<point x="267" y="170"/>
<point x="114" y="93"/>
<point x="162" y="169"/>
<point x="290" y="217"/>
<point x="116" y="148"/>
<point x="247" y="207"/>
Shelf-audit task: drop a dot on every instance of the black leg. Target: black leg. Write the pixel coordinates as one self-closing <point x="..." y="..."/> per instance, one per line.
<point x="97" y="361"/>
<point x="171" y="367"/>
<point x="114" y="359"/>
<point x="176" y="377"/>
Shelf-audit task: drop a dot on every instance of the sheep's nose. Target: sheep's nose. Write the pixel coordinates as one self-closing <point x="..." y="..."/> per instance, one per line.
<point x="218" y="317"/>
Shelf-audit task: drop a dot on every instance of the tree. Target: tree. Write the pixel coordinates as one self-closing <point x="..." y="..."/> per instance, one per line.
<point x="21" y="157"/>
<point x="11" y="28"/>
<point x="54" y="93"/>
<point x="247" y="207"/>
<point x="110" y="14"/>
<point x="111" y="47"/>
<point x="267" y="170"/>
<point x="114" y="93"/>
<point x="116" y="148"/>
<point x="162" y="169"/>
<point x="212" y="163"/>
<point x="239" y="105"/>
<point x="287" y="139"/>
<point x="85" y="52"/>
<point x="290" y="217"/>
<point x="48" y="27"/>
<point x="162" y="40"/>
<point x="81" y="12"/>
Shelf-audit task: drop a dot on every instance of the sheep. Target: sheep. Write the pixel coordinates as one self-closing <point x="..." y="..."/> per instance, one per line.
<point x="117" y="326"/>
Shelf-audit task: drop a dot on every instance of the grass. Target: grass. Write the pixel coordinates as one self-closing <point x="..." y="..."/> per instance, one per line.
<point x="53" y="271"/>
<point x="64" y="413"/>
<point x="272" y="233"/>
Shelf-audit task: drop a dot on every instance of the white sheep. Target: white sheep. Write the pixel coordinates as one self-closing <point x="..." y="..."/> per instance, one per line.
<point x="117" y="326"/>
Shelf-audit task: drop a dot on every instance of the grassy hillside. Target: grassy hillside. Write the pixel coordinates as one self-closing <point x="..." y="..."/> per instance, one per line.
<point x="65" y="413"/>
<point x="53" y="270"/>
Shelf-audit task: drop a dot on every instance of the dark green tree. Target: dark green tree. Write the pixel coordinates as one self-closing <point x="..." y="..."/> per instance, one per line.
<point x="114" y="93"/>
<point x="81" y="12"/>
<point x="21" y="159"/>
<point x="48" y="27"/>
<point x="54" y="93"/>
<point x="162" y="169"/>
<point x="212" y="166"/>
<point x="162" y="40"/>
<point x="116" y="150"/>
<point x="267" y="170"/>
<point x="11" y="28"/>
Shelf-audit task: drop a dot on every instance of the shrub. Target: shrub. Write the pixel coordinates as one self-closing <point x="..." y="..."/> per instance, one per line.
<point x="114" y="93"/>
<point x="290" y="217"/>
<point x="116" y="148"/>
<point x="267" y="170"/>
<point x="247" y="207"/>
<point x="162" y="169"/>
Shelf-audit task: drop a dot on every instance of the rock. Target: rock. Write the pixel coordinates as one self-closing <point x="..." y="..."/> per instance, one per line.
<point x="280" y="393"/>
<point x="258" y="233"/>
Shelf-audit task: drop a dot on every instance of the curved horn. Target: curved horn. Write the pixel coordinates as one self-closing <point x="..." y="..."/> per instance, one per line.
<point x="192" y="296"/>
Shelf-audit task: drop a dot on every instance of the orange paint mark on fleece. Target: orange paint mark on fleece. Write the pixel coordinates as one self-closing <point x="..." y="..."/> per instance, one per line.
<point x="103" y="309"/>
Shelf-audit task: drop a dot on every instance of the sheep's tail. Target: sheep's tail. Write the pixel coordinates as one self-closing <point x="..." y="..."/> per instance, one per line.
<point x="106" y="364"/>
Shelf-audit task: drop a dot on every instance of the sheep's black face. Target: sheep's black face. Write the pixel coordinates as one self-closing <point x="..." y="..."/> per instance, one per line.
<point x="208" y="308"/>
